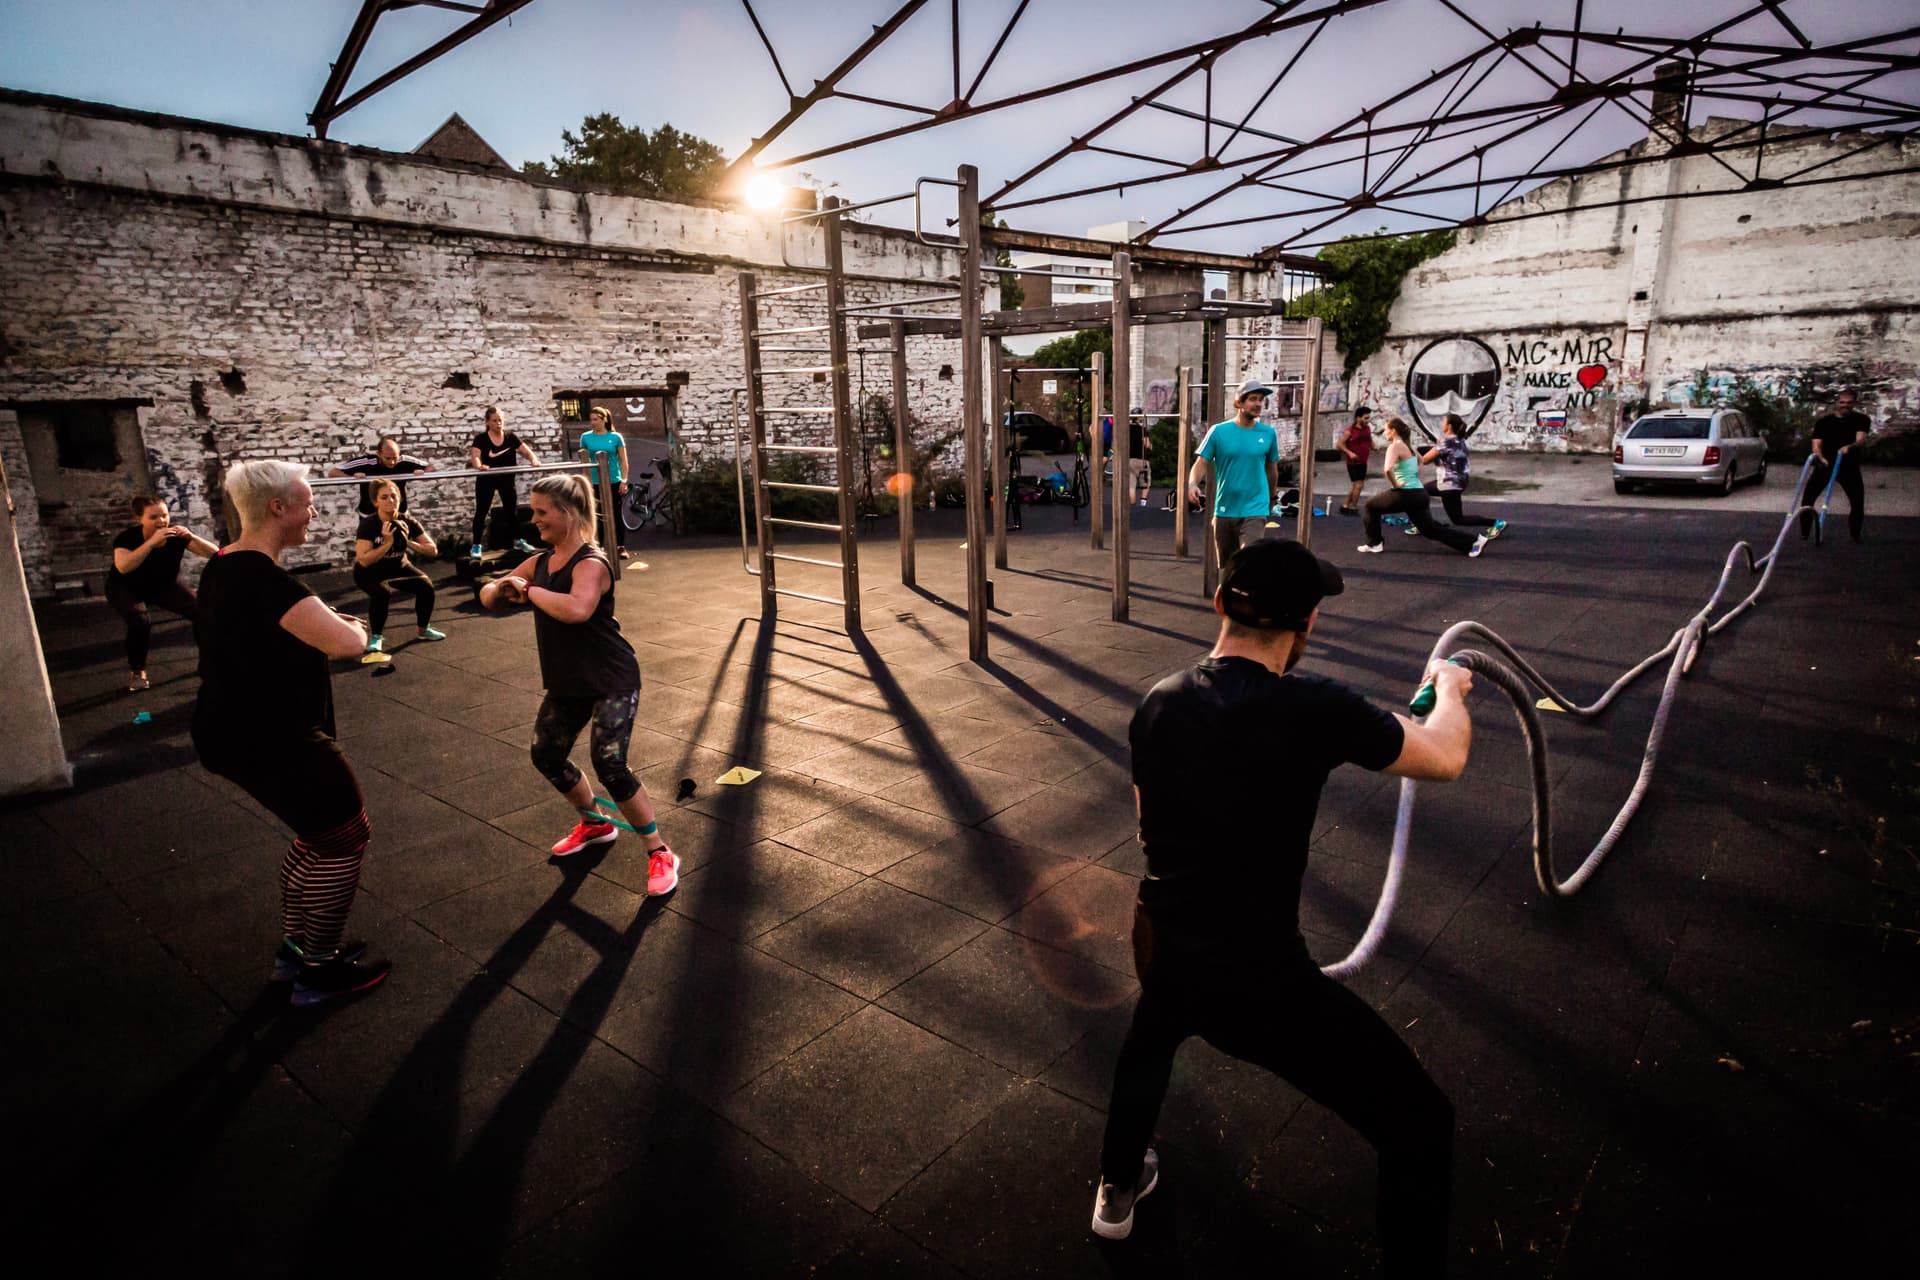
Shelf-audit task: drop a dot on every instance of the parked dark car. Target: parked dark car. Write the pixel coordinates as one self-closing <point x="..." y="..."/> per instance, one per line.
<point x="1034" y="434"/>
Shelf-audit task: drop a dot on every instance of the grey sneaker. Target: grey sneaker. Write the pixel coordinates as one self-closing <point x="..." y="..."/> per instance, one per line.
<point x="1113" y="1207"/>
<point x="1480" y="544"/>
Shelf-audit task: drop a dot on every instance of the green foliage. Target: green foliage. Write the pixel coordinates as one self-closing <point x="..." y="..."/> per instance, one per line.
<point x="1780" y="421"/>
<point x="1013" y="294"/>
<point x="1075" y="351"/>
<point x="709" y="495"/>
<point x="1364" y="278"/>
<point x="631" y="161"/>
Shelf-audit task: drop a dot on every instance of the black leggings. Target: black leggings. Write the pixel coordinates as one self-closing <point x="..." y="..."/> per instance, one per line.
<point x="1288" y="1017"/>
<point x="308" y="785"/>
<point x="557" y="726"/>
<point x="1849" y="483"/>
<point x="381" y="585"/>
<point x="1419" y="512"/>
<point x="175" y="597"/>
<point x="485" y="490"/>
<point x="1450" y="501"/>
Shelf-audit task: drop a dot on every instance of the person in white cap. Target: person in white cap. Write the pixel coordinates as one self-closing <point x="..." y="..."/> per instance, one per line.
<point x="1244" y="455"/>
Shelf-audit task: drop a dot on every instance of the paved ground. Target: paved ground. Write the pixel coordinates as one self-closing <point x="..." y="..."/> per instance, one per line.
<point x="871" y="1035"/>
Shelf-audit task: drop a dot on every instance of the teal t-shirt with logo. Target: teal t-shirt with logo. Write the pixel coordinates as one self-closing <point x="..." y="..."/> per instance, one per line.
<point x="1240" y="456"/>
<point x="605" y="446"/>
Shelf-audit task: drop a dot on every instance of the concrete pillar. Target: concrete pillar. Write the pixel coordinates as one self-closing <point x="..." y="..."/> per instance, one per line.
<point x="33" y="757"/>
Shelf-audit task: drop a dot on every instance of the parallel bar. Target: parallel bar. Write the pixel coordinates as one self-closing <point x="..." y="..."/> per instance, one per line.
<point x="1183" y="452"/>
<point x="1122" y="436"/>
<point x="757" y="427"/>
<point x="902" y="449"/>
<point x="805" y="368"/>
<point x="799" y="448"/>
<point x="887" y="303"/>
<point x="797" y="485"/>
<point x="798" y="288"/>
<point x="832" y="230"/>
<point x="782" y="555"/>
<point x="341" y="482"/>
<point x="808" y="595"/>
<point x="1268" y="337"/>
<point x="803" y="524"/>
<point x="998" y="410"/>
<point x="805" y="328"/>
<point x="1309" y="404"/>
<point x="970" y="336"/>
<point x="806" y="409"/>
<point x="1096" y="455"/>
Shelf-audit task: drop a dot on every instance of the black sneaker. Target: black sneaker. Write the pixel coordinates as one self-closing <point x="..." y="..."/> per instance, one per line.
<point x="1113" y="1207"/>
<point x="338" y="977"/>
<point x="288" y="959"/>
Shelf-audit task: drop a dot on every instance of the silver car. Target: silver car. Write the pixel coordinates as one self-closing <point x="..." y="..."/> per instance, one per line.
<point x="1711" y="447"/>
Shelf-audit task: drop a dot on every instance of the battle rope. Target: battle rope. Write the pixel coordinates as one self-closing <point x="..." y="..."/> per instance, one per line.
<point x="1513" y="677"/>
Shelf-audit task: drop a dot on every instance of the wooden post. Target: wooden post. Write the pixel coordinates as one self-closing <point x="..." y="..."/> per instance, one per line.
<point x="1216" y="412"/>
<point x="1096" y="455"/>
<point x="757" y="435"/>
<point x="843" y="449"/>
<point x="1309" y="399"/>
<point x="1183" y="458"/>
<point x="1122" y="432"/>
<point x="971" y="444"/>
<point x="999" y="441"/>
<point x="903" y="449"/>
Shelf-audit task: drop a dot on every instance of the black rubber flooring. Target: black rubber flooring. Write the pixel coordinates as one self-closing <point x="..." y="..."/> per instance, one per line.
<point x="872" y="1033"/>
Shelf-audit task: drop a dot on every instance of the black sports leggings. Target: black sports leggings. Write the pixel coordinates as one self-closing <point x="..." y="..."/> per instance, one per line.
<point x="1849" y="483"/>
<point x="1286" y="1016"/>
<point x="176" y="597"/>
<point x="381" y="585"/>
<point x="1419" y="511"/>
<point x="1450" y="501"/>
<point x="485" y="490"/>
<point x="557" y="726"/>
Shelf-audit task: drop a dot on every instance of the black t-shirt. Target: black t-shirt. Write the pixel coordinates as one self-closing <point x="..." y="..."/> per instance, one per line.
<point x="1230" y="759"/>
<point x="370" y="465"/>
<point x="260" y="686"/>
<point x="371" y="529"/>
<point x="588" y="659"/>
<point x="1837" y="430"/>
<point x="496" y="455"/>
<point x="157" y="571"/>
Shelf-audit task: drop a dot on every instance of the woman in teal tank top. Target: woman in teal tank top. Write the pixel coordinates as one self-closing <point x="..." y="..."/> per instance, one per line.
<point x="1408" y="495"/>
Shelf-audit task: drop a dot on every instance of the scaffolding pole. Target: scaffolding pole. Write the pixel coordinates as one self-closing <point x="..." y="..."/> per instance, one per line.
<point x="1309" y="399"/>
<point x="902" y="449"/>
<point x="842" y="423"/>
<point x="997" y="435"/>
<point x="1216" y="410"/>
<point x="1122" y="433"/>
<point x="970" y="388"/>
<point x="1183" y="458"/>
<point x="1097" y="457"/>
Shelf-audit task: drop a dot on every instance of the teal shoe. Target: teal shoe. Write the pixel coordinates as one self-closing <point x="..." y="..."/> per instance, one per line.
<point x="375" y="644"/>
<point x="428" y="633"/>
<point x="1499" y="527"/>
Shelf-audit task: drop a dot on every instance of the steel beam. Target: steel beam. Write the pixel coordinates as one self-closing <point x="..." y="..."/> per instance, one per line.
<point x="1122" y="436"/>
<point x="970" y="258"/>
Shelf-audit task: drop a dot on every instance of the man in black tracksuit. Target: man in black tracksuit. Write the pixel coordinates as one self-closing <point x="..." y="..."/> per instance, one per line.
<point x="1834" y="438"/>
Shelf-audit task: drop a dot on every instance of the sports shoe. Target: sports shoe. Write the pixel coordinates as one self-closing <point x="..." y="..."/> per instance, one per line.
<point x="338" y="977"/>
<point x="1113" y="1207"/>
<point x="429" y="633"/>
<point x="138" y="682"/>
<point x="524" y="547"/>
<point x="1372" y="548"/>
<point x="1497" y="528"/>
<point x="376" y="644"/>
<point x="287" y="960"/>
<point x="1480" y="544"/>
<point x="1411" y="532"/>
<point x="584" y="834"/>
<point x="663" y="872"/>
<point x="476" y="551"/>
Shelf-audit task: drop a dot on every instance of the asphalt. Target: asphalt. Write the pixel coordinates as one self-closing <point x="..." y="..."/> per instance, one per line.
<point x="872" y="1033"/>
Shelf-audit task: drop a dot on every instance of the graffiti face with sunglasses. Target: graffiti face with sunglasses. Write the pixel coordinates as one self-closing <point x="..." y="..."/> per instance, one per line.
<point x="1458" y="376"/>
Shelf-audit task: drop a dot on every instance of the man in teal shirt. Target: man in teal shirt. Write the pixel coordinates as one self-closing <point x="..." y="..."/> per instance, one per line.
<point x="1244" y="454"/>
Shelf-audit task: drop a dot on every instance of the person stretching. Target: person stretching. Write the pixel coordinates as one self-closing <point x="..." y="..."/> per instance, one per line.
<point x="1408" y="495"/>
<point x="146" y="570"/>
<point x="264" y="721"/>
<point x="493" y="448"/>
<point x="1455" y="473"/>
<point x="1356" y="446"/>
<point x="589" y="670"/>
<point x="383" y="547"/>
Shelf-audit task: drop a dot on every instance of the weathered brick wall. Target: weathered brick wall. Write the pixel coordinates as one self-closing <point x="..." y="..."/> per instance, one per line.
<point x="259" y="328"/>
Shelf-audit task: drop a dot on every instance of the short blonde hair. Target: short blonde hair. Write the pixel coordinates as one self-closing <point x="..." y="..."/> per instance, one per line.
<point x="572" y="493"/>
<point x="251" y="486"/>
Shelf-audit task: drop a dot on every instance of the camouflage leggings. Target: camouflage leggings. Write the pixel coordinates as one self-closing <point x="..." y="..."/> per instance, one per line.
<point x="558" y="725"/>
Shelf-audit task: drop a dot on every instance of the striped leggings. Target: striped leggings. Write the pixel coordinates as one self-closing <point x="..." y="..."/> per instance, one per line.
<point x="318" y="880"/>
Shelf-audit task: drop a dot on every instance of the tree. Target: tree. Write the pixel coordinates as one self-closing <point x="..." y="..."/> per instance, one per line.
<point x="1363" y="279"/>
<point x="631" y="161"/>
<point x="1013" y="294"/>
<point x="1075" y="351"/>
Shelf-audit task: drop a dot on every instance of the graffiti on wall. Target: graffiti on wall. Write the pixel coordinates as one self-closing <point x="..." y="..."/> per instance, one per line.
<point x="1161" y="396"/>
<point x="1458" y="376"/>
<point x="1534" y="390"/>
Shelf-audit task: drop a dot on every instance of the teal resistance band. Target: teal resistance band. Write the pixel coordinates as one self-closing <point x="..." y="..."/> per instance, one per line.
<point x="651" y="828"/>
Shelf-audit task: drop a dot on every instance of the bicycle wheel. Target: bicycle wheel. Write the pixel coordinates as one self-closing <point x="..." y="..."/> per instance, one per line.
<point x="633" y="508"/>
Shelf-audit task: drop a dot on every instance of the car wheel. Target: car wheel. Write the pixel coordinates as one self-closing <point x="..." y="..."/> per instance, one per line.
<point x="1726" y="482"/>
<point x="1760" y="476"/>
<point x="1623" y="486"/>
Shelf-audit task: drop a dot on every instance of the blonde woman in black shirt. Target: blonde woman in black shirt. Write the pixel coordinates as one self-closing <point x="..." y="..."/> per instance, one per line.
<point x="590" y="672"/>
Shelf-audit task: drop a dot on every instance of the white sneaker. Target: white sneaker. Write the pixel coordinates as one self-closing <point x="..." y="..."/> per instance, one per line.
<point x="1113" y="1207"/>
<point x="1372" y="548"/>
<point x="1479" y="545"/>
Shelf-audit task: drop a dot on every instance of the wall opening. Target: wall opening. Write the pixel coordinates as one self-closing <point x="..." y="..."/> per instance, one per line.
<point x="86" y="458"/>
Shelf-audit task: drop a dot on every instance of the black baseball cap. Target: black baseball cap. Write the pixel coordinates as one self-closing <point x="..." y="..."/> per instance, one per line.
<point x="1276" y="584"/>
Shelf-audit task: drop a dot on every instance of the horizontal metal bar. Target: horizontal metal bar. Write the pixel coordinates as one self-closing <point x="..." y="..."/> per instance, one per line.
<point x="899" y="302"/>
<point x="1034" y="368"/>
<point x="804" y="488"/>
<point x="803" y="409"/>
<point x="798" y="448"/>
<point x="1084" y="276"/>
<point x="847" y="208"/>
<point x="781" y="555"/>
<point x="798" y="288"/>
<point x="1268" y="337"/>
<point x="414" y="477"/>
<point x="808" y="368"/>
<point x="774" y="333"/>
<point x="808" y="595"/>
<point x="803" y="524"/>
<point x="795" y="350"/>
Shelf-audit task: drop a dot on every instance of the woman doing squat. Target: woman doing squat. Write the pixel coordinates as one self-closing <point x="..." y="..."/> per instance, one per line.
<point x="383" y="549"/>
<point x="146" y="570"/>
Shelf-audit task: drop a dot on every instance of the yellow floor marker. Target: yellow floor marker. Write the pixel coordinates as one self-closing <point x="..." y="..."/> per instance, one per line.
<point x="1548" y="704"/>
<point x="738" y="776"/>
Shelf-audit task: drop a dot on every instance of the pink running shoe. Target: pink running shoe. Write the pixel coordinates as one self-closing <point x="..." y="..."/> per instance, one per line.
<point x="663" y="872"/>
<point x="584" y="834"/>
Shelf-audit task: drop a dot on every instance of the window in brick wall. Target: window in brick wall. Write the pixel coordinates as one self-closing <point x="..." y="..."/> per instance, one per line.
<point x="84" y="436"/>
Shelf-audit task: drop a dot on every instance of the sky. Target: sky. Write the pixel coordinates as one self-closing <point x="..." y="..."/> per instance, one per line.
<point x="699" y="66"/>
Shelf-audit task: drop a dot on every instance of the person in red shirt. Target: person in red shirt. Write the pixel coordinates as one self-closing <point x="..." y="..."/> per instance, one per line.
<point x="1356" y="446"/>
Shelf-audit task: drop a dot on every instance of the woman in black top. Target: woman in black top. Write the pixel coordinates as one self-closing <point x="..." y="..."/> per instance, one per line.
<point x="589" y="670"/>
<point x="264" y="721"/>
<point x="496" y="447"/>
<point x="383" y="568"/>
<point x="146" y="570"/>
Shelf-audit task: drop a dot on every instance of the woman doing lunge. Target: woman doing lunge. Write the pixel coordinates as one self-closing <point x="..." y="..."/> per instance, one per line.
<point x="264" y="721"/>
<point x="1408" y="495"/>
<point x="146" y="570"/>
<point x="1455" y="474"/>
<point x="491" y="449"/>
<point x="383" y="549"/>
<point x="591" y="675"/>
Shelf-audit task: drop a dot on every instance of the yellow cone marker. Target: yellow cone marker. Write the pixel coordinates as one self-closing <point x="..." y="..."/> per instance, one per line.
<point x="738" y="776"/>
<point x="1548" y="704"/>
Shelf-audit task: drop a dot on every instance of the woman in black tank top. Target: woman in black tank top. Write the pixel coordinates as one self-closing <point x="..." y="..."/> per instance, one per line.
<point x="591" y="675"/>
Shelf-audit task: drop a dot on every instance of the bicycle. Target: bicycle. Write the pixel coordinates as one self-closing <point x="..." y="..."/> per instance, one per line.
<point x="643" y="505"/>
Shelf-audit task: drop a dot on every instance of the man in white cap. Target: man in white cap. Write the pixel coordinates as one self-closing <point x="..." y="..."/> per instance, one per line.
<point x="1244" y="455"/>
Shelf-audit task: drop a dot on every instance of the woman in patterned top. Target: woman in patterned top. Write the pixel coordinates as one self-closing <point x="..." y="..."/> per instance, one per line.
<point x="1455" y="472"/>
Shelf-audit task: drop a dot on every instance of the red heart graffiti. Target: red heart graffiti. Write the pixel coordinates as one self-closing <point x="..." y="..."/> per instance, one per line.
<point x="1591" y="376"/>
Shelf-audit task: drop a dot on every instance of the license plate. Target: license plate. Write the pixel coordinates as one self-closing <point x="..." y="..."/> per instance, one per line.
<point x="1665" y="450"/>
